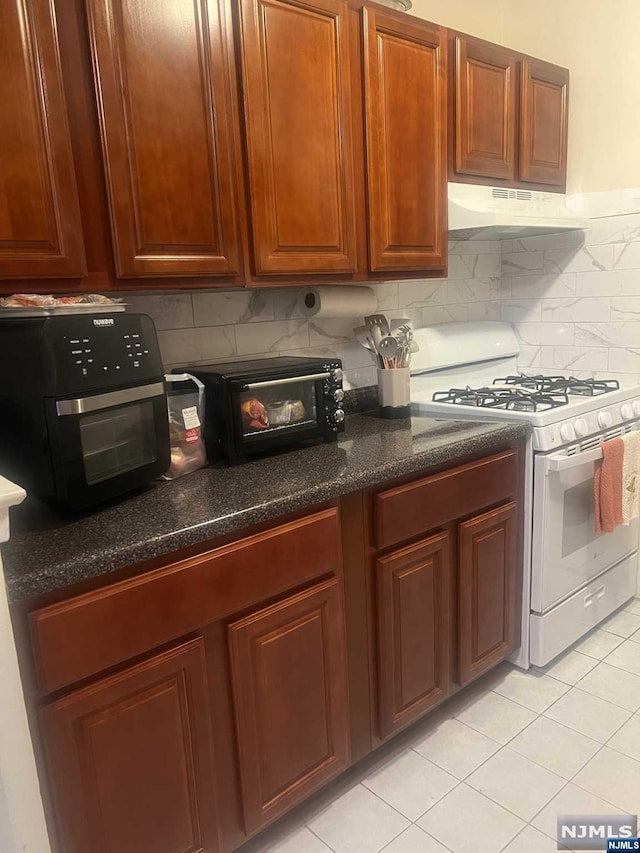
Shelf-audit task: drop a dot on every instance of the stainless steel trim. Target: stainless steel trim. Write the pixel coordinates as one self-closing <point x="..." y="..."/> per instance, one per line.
<point x="289" y="380"/>
<point x="82" y="405"/>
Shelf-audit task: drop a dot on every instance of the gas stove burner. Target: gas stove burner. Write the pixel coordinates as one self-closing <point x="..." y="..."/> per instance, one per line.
<point x="561" y="384"/>
<point x="514" y="398"/>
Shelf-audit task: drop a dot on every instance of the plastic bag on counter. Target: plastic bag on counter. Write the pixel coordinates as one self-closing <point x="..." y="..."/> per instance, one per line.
<point x="185" y="400"/>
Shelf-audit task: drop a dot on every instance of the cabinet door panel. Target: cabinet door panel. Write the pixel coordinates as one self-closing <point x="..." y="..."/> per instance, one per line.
<point x="289" y="682"/>
<point x="487" y="590"/>
<point x="543" y="123"/>
<point x="130" y="759"/>
<point x="163" y="92"/>
<point x="413" y="631"/>
<point x="40" y="229"/>
<point x="296" y="95"/>
<point x="406" y="142"/>
<point x="485" y="110"/>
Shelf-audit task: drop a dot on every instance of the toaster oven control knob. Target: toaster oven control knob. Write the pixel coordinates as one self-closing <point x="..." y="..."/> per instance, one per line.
<point x="581" y="427"/>
<point x="339" y="415"/>
<point x="604" y="419"/>
<point x="338" y="395"/>
<point x="336" y="374"/>
<point x="626" y="410"/>
<point x="567" y="432"/>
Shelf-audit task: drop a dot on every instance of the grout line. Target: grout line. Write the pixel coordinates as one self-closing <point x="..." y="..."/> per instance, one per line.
<point x="321" y="840"/>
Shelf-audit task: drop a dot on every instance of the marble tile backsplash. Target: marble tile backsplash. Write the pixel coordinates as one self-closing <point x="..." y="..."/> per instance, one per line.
<point x="198" y="327"/>
<point x="574" y="300"/>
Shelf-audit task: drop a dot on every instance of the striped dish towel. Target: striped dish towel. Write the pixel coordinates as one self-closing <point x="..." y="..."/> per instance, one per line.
<point x="631" y="477"/>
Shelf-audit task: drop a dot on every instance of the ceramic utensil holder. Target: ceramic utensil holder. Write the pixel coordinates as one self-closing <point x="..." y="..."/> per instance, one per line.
<point x="394" y="392"/>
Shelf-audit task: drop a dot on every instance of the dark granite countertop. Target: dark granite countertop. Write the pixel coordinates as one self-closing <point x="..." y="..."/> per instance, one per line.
<point x="46" y="553"/>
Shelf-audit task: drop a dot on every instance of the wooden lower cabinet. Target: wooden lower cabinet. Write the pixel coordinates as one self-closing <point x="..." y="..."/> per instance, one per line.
<point x="130" y="759"/>
<point x="288" y="671"/>
<point x="185" y="708"/>
<point x="487" y="591"/>
<point x="413" y="631"/>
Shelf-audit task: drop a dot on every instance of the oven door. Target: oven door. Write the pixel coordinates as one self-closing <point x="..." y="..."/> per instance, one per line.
<point x="567" y="552"/>
<point x="107" y="444"/>
<point x="274" y="412"/>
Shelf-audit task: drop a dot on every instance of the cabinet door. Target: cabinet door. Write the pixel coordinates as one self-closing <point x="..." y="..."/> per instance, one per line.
<point x="413" y="631"/>
<point x="288" y="668"/>
<point x="130" y="759"/>
<point x="485" y="110"/>
<point x="406" y="142"/>
<point x="543" y="123"/>
<point x="163" y="89"/>
<point x="297" y="101"/>
<point x="40" y="230"/>
<point x="487" y="596"/>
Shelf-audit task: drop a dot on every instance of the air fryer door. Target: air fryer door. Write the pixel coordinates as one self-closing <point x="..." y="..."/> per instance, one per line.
<point x="108" y="444"/>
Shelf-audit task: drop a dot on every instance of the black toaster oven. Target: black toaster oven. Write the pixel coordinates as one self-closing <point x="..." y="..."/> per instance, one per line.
<point x="263" y="404"/>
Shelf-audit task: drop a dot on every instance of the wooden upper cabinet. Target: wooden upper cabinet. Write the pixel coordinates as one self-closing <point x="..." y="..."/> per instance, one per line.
<point x="130" y="759"/>
<point x="299" y="144"/>
<point x="40" y="229"/>
<point x="489" y="575"/>
<point x="405" y="125"/>
<point x="168" y="134"/>
<point x="485" y="109"/>
<point x="414" y="641"/>
<point x="543" y="123"/>
<point x="288" y="670"/>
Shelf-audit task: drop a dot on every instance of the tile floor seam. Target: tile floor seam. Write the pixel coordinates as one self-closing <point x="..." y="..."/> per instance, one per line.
<point x="395" y="838"/>
<point x="484" y="761"/>
<point x="321" y="840"/>
<point x="597" y="695"/>
<point x="500" y="805"/>
<point x="382" y="799"/>
<point x="426" y="811"/>
<point x="575" y="687"/>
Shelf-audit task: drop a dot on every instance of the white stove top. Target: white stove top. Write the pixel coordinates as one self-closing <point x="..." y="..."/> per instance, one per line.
<point x="476" y="355"/>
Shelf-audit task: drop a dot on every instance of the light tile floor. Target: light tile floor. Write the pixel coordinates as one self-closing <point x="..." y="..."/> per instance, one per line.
<point x="492" y="768"/>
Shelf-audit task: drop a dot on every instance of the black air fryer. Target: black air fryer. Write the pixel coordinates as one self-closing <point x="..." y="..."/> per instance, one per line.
<point x="83" y="410"/>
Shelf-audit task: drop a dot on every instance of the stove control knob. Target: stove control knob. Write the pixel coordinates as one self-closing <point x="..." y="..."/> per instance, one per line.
<point x="567" y="432"/>
<point x="339" y="416"/>
<point x="581" y="427"/>
<point x="636" y="408"/>
<point x="604" y="420"/>
<point x="338" y="395"/>
<point x="626" y="410"/>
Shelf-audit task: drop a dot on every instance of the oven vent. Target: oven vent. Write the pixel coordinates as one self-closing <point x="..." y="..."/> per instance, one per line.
<point x="596" y="440"/>
<point x="523" y="195"/>
<point x="500" y="193"/>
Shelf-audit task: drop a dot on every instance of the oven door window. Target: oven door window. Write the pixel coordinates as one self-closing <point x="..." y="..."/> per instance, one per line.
<point x="277" y="408"/>
<point x="567" y="552"/>
<point x="114" y="441"/>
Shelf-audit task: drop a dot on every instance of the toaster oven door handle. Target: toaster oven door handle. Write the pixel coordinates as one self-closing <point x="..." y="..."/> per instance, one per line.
<point x="289" y="380"/>
<point x="82" y="405"/>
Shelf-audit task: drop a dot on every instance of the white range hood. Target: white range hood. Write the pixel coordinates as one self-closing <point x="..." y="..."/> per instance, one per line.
<point x="503" y="213"/>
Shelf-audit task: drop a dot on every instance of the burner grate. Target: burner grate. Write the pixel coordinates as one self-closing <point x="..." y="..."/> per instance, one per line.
<point x="561" y="384"/>
<point x="514" y="399"/>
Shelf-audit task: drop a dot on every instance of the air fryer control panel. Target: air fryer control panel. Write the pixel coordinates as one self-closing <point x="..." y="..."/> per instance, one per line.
<point x="91" y="353"/>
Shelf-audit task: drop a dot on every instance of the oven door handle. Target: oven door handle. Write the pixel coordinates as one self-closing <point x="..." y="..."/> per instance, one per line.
<point x="83" y="405"/>
<point x="566" y="463"/>
<point x="288" y="380"/>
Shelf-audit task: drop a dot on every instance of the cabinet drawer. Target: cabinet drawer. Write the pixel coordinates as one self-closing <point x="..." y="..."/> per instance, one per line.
<point x="415" y="508"/>
<point x="86" y="634"/>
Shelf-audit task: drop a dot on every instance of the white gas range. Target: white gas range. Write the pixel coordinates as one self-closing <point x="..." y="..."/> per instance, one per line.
<point x="574" y="578"/>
